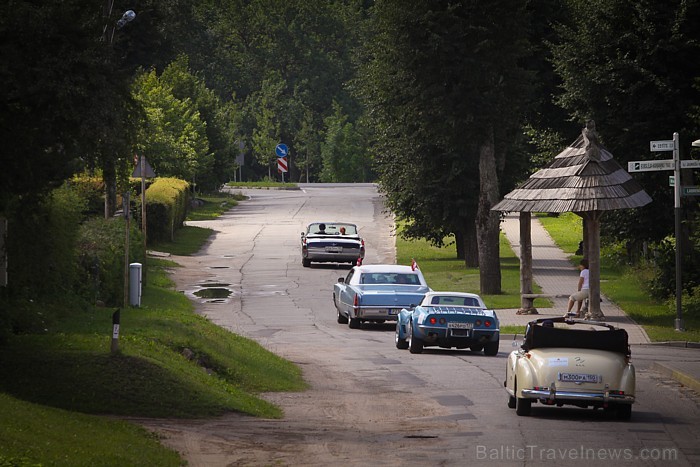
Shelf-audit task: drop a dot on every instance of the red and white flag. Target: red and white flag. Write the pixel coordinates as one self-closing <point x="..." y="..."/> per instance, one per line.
<point x="414" y="265"/>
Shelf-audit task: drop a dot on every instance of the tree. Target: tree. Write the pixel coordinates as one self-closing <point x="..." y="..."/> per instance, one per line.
<point x="220" y="120"/>
<point x="630" y="66"/>
<point x="444" y="89"/>
<point x="298" y="52"/>
<point x="343" y="152"/>
<point x="173" y="136"/>
<point x="266" y="107"/>
<point x="64" y="104"/>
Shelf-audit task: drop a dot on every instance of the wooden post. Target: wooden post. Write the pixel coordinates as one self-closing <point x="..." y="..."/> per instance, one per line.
<point x="526" y="303"/>
<point x="592" y="220"/>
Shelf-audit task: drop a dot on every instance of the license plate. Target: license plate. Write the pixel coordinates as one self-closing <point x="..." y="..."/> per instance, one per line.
<point x="394" y="311"/>
<point x="334" y="249"/>
<point x="460" y="325"/>
<point x="459" y="332"/>
<point x="578" y="378"/>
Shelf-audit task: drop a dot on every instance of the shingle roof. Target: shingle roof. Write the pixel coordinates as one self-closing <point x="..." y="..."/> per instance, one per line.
<point x="576" y="181"/>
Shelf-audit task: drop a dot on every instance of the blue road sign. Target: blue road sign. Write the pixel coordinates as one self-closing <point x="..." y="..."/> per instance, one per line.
<point x="281" y="150"/>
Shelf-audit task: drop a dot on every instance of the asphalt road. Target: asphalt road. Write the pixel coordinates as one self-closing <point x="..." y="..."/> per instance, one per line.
<point x="442" y="407"/>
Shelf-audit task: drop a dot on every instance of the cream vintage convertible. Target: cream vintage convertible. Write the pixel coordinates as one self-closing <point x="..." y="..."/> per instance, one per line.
<point x="565" y="361"/>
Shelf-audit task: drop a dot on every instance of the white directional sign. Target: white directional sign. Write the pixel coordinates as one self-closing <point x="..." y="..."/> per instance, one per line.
<point x="690" y="164"/>
<point x="666" y="145"/>
<point x="650" y="166"/>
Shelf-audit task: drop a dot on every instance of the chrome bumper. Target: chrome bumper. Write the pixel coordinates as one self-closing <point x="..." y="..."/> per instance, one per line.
<point x="552" y="395"/>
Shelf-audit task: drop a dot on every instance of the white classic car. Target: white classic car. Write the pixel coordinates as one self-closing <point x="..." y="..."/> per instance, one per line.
<point x="565" y="361"/>
<point x="331" y="242"/>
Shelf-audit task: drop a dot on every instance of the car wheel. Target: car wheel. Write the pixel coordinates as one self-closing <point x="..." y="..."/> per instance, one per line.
<point x="522" y="406"/>
<point x="306" y="262"/>
<point x="511" y="402"/>
<point x="400" y="343"/>
<point x="624" y="411"/>
<point x="354" y="323"/>
<point x="342" y="319"/>
<point x="476" y="348"/>
<point x="491" y="349"/>
<point x="415" y="345"/>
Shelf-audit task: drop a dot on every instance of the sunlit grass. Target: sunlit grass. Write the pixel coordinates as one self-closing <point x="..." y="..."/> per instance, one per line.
<point x="624" y="285"/>
<point x="443" y="271"/>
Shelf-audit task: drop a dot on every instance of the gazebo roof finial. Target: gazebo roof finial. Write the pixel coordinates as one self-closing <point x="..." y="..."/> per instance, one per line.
<point x="590" y="141"/>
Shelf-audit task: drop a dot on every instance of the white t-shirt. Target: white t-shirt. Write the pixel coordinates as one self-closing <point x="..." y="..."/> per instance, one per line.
<point x="585" y="274"/>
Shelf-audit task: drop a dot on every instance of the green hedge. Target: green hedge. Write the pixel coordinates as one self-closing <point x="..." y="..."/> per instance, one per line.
<point x="101" y="255"/>
<point x="167" y="200"/>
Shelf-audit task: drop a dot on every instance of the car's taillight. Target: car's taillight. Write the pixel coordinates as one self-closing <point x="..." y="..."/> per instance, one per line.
<point x="487" y="323"/>
<point x="356" y="301"/>
<point x="432" y="320"/>
<point x="477" y="322"/>
<point x="443" y="321"/>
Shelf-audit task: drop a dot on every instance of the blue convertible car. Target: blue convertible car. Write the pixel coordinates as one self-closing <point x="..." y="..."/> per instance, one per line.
<point x="448" y="319"/>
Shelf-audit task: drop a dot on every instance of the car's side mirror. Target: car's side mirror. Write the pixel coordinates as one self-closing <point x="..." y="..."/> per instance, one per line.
<point x="341" y="280"/>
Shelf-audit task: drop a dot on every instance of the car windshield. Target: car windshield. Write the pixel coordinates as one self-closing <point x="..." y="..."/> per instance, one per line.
<point x="322" y="228"/>
<point x="390" y="278"/>
<point x="454" y="301"/>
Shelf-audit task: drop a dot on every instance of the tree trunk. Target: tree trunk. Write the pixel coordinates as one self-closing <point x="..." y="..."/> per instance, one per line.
<point x="469" y="245"/>
<point x="109" y="177"/>
<point x="487" y="221"/>
<point x="459" y="244"/>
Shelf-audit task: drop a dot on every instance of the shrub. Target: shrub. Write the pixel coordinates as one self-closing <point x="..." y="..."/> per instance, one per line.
<point x="663" y="284"/>
<point x="42" y="234"/>
<point x="167" y="200"/>
<point x="92" y="191"/>
<point x="101" y="258"/>
<point x="690" y="302"/>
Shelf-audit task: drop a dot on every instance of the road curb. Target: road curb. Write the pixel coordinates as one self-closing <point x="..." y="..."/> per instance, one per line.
<point x="679" y="376"/>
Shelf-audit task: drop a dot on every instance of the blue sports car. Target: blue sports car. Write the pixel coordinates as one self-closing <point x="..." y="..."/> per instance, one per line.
<point x="448" y="319"/>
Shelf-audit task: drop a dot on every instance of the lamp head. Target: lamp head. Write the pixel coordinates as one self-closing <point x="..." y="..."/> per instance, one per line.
<point x="127" y="17"/>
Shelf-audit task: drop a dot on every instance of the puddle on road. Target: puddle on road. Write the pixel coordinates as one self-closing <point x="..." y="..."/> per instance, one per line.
<point x="213" y="292"/>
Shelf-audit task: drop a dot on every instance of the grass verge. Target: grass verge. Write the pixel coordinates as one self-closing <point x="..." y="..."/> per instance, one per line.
<point x="172" y="363"/>
<point x="444" y="271"/>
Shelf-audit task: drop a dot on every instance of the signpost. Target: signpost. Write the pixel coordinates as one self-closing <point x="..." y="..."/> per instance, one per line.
<point x="282" y="151"/>
<point x="665" y="145"/>
<point x="650" y="166"/>
<point x="674" y="164"/>
<point x="691" y="190"/>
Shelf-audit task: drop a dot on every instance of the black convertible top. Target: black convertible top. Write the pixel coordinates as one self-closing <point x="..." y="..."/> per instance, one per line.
<point x="541" y="333"/>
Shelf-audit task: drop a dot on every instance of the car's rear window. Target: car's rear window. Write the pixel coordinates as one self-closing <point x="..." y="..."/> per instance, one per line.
<point x="390" y="278"/>
<point x="332" y="229"/>
<point x="454" y="301"/>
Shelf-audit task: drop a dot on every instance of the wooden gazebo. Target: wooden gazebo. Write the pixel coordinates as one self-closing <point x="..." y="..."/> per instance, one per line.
<point x="583" y="179"/>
